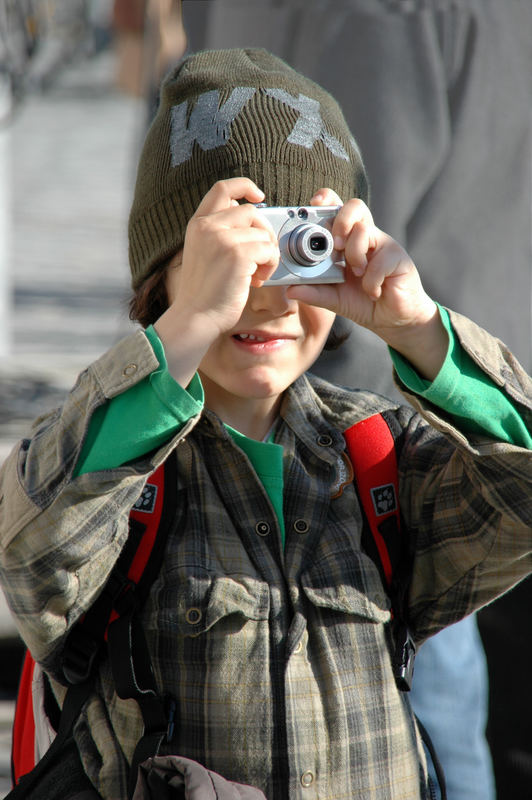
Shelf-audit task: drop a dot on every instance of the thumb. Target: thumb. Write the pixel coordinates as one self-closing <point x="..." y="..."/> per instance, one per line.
<point x="324" y="295"/>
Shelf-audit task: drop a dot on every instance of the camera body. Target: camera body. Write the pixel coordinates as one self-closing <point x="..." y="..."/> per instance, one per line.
<point x="306" y="245"/>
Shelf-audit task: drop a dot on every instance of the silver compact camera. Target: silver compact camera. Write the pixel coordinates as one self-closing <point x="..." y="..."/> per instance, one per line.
<point x="306" y="245"/>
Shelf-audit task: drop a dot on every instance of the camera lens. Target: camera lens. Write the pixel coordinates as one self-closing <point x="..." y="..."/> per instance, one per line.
<point x="318" y="244"/>
<point x="310" y="244"/>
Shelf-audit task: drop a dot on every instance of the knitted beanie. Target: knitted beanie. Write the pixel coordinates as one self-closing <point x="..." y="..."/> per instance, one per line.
<point x="230" y="113"/>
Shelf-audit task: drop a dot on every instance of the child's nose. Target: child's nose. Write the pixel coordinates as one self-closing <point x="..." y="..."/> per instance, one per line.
<point x="272" y="299"/>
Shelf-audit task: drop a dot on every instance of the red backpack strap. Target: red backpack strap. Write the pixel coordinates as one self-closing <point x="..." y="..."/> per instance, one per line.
<point x="128" y="582"/>
<point x="23" y="732"/>
<point x="371" y="448"/>
<point x="373" y="445"/>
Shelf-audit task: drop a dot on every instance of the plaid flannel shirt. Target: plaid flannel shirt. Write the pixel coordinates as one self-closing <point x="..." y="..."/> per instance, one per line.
<point x="282" y="672"/>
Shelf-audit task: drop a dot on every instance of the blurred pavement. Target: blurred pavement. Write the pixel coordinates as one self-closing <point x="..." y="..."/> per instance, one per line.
<point x="67" y="170"/>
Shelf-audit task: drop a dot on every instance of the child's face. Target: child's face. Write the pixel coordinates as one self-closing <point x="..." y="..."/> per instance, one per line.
<point x="274" y="342"/>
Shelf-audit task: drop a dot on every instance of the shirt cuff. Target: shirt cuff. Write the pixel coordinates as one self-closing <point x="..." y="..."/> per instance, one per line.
<point x="444" y="384"/>
<point x="182" y="403"/>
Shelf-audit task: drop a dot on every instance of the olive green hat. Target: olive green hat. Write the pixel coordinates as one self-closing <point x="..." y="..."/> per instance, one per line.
<point x="227" y="113"/>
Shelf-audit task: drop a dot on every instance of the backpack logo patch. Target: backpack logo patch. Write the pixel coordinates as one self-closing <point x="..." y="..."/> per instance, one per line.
<point x="384" y="499"/>
<point x="146" y="502"/>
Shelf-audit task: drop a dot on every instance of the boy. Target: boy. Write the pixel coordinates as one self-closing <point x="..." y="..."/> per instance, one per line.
<point x="268" y="625"/>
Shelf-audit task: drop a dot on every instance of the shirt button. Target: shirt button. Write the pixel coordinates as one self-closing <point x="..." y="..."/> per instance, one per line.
<point x="262" y="528"/>
<point x="301" y="526"/>
<point x="307" y="779"/>
<point x="298" y="648"/>
<point x="193" y="616"/>
<point x="130" y="370"/>
<point x="324" y="440"/>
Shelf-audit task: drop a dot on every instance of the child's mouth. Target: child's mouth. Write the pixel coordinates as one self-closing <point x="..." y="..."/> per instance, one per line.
<point x="249" y="337"/>
<point x="256" y="343"/>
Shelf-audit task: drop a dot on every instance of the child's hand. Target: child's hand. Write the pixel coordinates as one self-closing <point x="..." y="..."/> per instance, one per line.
<point x="382" y="290"/>
<point x="228" y="248"/>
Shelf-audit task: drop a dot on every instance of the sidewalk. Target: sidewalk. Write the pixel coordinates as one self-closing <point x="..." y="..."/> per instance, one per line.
<point x="71" y="155"/>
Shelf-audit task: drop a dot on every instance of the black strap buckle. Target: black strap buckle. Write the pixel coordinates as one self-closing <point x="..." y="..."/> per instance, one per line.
<point x="404" y="657"/>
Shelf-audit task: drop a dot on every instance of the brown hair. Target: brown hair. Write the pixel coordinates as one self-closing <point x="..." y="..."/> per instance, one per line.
<point x="150" y="300"/>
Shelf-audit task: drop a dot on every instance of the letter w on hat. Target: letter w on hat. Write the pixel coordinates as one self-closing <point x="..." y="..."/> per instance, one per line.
<point x="209" y="124"/>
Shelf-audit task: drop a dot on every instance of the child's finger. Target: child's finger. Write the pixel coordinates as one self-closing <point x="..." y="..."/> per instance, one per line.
<point x="323" y="295"/>
<point x="386" y="260"/>
<point x="357" y="247"/>
<point x="261" y="254"/>
<point x="223" y="194"/>
<point x="325" y="197"/>
<point x="353" y="212"/>
<point x="243" y="216"/>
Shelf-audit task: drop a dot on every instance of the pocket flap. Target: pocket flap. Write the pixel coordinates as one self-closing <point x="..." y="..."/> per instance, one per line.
<point x="350" y="584"/>
<point x="206" y="599"/>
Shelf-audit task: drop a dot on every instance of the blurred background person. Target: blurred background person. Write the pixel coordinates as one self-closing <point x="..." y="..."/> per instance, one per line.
<point x="150" y="37"/>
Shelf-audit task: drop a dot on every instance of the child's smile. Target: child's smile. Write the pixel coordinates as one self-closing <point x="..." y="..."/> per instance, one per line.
<point x="258" y="342"/>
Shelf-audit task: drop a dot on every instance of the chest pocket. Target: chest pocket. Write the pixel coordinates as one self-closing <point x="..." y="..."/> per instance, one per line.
<point x="208" y="626"/>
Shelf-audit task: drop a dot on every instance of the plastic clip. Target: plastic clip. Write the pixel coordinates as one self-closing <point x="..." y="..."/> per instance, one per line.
<point x="405" y="654"/>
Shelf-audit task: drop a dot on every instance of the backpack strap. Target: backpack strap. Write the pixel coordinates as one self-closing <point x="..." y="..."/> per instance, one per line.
<point x="373" y="445"/>
<point x="371" y="448"/>
<point x="129" y="581"/>
<point x="127" y="646"/>
<point x="75" y="699"/>
<point x="123" y="594"/>
<point x="23" y="730"/>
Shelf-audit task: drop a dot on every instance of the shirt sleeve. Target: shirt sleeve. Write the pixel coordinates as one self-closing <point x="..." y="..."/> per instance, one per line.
<point x="141" y="419"/>
<point x="465" y="392"/>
